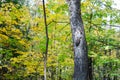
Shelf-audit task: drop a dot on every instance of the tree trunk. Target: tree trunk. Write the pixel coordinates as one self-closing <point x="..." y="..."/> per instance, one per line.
<point x="90" y="68"/>
<point x="79" y="41"/>
<point x="47" y="41"/>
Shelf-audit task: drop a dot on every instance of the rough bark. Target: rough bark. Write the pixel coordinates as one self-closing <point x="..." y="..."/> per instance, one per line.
<point x="79" y="41"/>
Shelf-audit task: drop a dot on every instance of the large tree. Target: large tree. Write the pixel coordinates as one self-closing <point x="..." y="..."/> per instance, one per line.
<point x="79" y="41"/>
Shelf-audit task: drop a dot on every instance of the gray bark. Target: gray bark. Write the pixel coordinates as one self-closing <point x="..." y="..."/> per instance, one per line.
<point x="79" y="41"/>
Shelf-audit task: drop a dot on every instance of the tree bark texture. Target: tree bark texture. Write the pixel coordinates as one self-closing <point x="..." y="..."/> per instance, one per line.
<point x="79" y="41"/>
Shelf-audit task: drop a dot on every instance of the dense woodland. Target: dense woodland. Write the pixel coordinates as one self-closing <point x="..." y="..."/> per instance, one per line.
<point x="36" y="40"/>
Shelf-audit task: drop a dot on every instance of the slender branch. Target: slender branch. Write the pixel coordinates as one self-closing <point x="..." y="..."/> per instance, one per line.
<point x="47" y="40"/>
<point x="61" y="21"/>
<point x="57" y="22"/>
<point x="91" y="15"/>
<point x="89" y="22"/>
<point x="63" y="27"/>
<point x="107" y="25"/>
